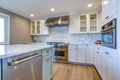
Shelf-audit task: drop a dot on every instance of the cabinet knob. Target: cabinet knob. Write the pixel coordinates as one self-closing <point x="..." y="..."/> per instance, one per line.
<point x="107" y="53"/>
<point x="106" y="17"/>
<point x="97" y="52"/>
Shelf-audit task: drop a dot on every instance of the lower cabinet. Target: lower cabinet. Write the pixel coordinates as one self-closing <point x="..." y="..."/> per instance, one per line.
<point x="107" y="64"/>
<point x="0" y="69"/>
<point x="47" y="68"/>
<point x="90" y="54"/>
<point x="47" y="65"/>
<point x="81" y="53"/>
<point x="72" y="53"/>
<point x="98" y="62"/>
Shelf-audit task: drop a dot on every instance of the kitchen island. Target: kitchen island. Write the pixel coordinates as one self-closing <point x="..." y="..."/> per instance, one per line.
<point x="25" y="62"/>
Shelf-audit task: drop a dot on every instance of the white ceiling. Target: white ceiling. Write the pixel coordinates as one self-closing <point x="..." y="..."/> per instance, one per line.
<point x="41" y="8"/>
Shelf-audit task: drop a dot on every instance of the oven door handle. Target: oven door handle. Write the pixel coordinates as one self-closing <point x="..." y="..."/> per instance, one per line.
<point x="13" y="63"/>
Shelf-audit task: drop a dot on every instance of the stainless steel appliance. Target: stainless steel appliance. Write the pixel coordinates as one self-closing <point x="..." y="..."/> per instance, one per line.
<point x="109" y="34"/>
<point x="23" y="67"/>
<point x="60" y="51"/>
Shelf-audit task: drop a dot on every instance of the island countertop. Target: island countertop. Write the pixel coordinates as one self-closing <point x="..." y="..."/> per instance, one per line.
<point x="17" y="49"/>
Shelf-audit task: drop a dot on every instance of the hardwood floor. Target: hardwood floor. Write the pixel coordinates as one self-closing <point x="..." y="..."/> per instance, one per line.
<point x="74" y="72"/>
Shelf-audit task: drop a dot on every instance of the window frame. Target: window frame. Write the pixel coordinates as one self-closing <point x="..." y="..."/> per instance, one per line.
<point x="8" y="35"/>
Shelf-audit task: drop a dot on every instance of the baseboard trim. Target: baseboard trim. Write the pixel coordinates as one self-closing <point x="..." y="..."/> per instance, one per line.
<point x="83" y="64"/>
<point x="98" y="73"/>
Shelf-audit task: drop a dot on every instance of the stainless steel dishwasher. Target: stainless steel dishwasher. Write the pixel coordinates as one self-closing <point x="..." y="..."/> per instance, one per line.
<point x="23" y="67"/>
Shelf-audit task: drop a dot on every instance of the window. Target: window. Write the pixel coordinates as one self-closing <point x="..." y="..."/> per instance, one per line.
<point x="4" y="28"/>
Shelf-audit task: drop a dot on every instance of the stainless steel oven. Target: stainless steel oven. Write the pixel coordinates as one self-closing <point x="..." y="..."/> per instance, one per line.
<point x="61" y="55"/>
<point x="60" y="51"/>
<point x="109" y="34"/>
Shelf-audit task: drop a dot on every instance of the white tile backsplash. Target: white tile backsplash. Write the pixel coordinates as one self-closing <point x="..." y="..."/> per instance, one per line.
<point x="61" y="34"/>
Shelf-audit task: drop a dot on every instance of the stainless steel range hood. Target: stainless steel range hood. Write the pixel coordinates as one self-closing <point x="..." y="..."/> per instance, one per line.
<point x="57" y="21"/>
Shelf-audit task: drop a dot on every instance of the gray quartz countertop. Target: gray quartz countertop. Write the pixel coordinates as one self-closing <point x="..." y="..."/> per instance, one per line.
<point x="12" y="50"/>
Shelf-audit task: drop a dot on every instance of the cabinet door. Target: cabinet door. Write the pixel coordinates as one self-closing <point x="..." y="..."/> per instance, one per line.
<point x="43" y="29"/>
<point x="0" y="69"/>
<point x="118" y="7"/>
<point x="81" y="53"/>
<point x="106" y="67"/>
<point x="83" y="24"/>
<point x="115" y="68"/>
<point x="90" y="54"/>
<point x="47" y="68"/>
<point x="33" y="28"/>
<point x="109" y="8"/>
<point x="93" y="26"/>
<point x="38" y="27"/>
<point x="74" y="26"/>
<point x="99" y="60"/>
<point x="72" y="54"/>
<point x="112" y="7"/>
<point x="104" y="9"/>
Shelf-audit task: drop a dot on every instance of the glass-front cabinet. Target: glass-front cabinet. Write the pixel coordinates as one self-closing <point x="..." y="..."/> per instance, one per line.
<point x="33" y="28"/>
<point x="93" y="22"/>
<point x="83" y="23"/>
<point x="38" y="28"/>
<point x="88" y="23"/>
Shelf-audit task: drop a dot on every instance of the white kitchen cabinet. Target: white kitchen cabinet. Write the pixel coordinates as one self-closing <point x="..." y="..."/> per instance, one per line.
<point x="106" y="66"/>
<point x="47" y="64"/>
<point x="87" y="23"/>
<point x="72" y="53"/>
<point x="109" y="8"/>
<point x="93" y="23"/>
<point x="107" y="63"/>
<point x="74" y="26"/>
<point x="98" y="62"/>
<point x="118" y="5"/>
<point x="38" y="28"/>
<point x="83" y="23"/>
<point x="44" y="30"/>
<point x="81" y="53"/>
<point x="33" y="28"/>
<point x="0" y="69"/>
<point x="90" y="54"/>
<point x="115" y="68"/>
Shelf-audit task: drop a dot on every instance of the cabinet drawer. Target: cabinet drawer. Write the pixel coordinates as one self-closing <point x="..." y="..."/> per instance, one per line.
<point x="46" y="51"/>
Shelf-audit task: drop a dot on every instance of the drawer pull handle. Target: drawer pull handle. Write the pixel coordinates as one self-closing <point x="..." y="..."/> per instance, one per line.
<point x="97" y="52"/>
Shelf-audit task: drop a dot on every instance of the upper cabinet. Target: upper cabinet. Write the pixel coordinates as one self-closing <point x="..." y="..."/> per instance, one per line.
<point x="74" y="25"/>
<point x="38" y="28"/>
<point x="93" y="23"/>
<point x="83" y="24"/>
<point x="109" y="8"/>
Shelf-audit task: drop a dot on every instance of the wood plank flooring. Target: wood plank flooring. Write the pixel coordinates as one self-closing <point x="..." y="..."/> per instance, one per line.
<point x="74" y="72"/>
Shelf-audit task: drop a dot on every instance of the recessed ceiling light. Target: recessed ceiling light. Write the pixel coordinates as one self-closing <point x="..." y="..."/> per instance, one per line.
<point x="89" y="5"/>
<point x="52" y="9"/>
<point x="32" y="15"/>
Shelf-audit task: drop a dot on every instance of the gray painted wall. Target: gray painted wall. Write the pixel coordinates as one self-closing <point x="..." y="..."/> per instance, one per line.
<point x="19" y="28"/>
